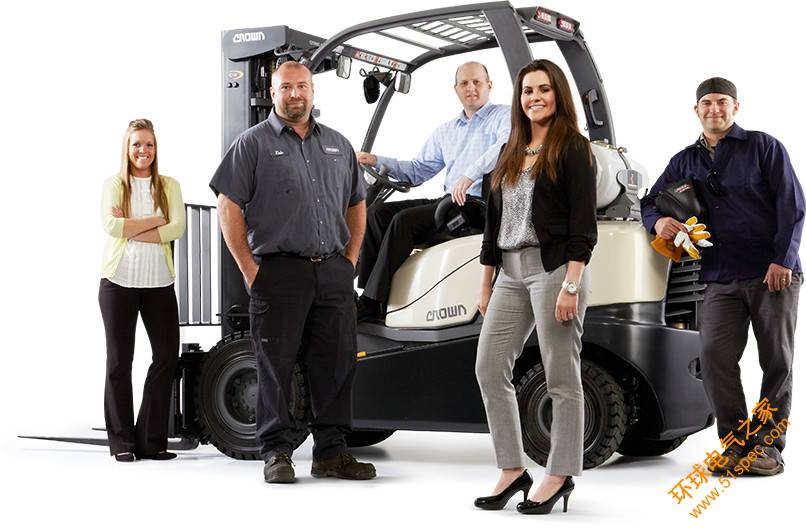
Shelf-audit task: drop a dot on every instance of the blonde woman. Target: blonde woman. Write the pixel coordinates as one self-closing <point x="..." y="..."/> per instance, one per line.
<point x="142" y="212"/>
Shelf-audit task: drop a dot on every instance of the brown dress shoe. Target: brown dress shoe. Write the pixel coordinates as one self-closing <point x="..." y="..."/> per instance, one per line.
<point x="769" y="464"/>
<point x="279" y="469"/>
<point x="343" y="466"/>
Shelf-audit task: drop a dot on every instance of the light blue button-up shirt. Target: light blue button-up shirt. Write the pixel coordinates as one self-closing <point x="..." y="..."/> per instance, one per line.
<point x="464" y="147"/>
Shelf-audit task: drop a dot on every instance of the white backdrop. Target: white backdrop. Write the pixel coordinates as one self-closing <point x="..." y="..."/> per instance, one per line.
<point x="75" y="73"/>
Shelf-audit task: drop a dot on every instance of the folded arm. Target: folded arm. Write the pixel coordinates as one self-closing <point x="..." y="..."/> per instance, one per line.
<point x="152" y="229"/>
<point x="175" y="228"/>
<point x="133" y="228"/>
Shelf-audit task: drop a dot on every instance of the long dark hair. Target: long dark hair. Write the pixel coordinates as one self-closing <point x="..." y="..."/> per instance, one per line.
<point x="563" y="129"/>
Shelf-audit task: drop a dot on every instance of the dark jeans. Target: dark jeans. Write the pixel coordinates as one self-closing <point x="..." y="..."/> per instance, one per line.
<point x="727" y="311"/>
<point x="393" y="229"/>
<point x="306" y="309"/>
<point x="119" y="309"/>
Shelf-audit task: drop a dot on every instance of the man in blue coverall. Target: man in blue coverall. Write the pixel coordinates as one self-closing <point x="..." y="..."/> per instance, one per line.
<point x="755" y="215"/>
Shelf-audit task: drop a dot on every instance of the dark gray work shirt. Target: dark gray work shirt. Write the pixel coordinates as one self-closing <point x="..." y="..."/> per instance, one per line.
<point x="294" y="192"/>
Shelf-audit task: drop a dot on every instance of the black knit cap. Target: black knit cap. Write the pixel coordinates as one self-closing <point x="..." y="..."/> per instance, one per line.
<point x="719" y="85"/>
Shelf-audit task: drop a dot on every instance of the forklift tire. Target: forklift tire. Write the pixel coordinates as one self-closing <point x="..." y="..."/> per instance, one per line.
<point x="635" y="446"/>
<point x="605" y="416"/>
<point x="358" y="438"/>
<point x="226" y="394"/>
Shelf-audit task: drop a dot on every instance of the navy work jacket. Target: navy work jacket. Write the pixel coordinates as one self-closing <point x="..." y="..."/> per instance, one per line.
<point x="755" y="204"/>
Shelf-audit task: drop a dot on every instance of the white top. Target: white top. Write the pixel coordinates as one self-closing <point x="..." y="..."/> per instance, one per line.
<point x="143" y="264"/>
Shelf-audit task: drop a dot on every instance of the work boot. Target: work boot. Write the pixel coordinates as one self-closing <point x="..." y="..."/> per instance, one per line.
<point x="279" y="469"/>
<point x="729" y="459"/>
<point x="343" y="466"/>
<point x="768" y="464"/>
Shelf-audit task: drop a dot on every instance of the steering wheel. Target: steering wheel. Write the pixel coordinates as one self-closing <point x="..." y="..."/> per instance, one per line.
<point x="383" y="178"/>
<point x="460" y="219"/>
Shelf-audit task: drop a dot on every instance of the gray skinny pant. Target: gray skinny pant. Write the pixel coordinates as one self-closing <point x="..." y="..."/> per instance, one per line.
<point x="525" y="296"/>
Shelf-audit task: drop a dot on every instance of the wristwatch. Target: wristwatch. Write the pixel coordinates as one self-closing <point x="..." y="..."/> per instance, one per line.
<point x="570" y="286"/>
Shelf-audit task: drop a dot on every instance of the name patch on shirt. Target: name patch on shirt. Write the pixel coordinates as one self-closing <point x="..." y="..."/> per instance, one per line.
<point x="332" y="150"/>
<point x="278" y="153"/>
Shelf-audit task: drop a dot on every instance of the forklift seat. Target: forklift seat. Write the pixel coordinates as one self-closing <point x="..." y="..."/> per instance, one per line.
<point x="454" y="221"/>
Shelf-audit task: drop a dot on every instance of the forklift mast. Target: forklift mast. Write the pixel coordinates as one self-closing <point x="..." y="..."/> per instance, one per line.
<point x="248" y="59"/>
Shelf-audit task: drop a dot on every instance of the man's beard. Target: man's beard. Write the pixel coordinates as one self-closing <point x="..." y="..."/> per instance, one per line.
<point x="296" y="112"/>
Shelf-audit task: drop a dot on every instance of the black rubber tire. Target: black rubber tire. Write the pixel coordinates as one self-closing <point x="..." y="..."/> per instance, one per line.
<point x="358" y="438"/>
<point x="605" y="417"/>
<point x="225" y="397"/>
<point x="635" y="446"/>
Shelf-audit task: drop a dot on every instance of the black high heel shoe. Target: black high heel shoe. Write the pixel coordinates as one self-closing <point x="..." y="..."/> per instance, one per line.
<point x="545" y="507"/>
<point x="497" y="502"/>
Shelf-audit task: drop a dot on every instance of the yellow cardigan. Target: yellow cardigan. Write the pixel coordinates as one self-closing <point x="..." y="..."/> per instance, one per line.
<point x="115" y="243"/>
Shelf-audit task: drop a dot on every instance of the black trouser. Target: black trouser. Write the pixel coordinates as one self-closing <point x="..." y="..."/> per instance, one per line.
<point x="727" y="311"/>
<point x="119" y="309"/>
<point x="305" y="308"/>
<point x="393" y="229"/>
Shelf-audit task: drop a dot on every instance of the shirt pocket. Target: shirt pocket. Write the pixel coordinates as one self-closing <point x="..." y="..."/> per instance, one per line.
<point x="336" y="171"/>
<point x="757" y="185"/>
<point x="279" y="174"/>
<point x="278" y="193"/>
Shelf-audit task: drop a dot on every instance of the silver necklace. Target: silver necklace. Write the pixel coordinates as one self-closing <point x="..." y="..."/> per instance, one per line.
<point x="534" y="151"/>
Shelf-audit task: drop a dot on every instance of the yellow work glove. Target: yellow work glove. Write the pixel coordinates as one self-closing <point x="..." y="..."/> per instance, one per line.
<point x="697" y="232"/>
<point x="667" y="248"/>
<point x="692" y="236"/>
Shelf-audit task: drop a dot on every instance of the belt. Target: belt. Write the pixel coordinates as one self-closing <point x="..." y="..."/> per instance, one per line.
<point x="315" y="258"/>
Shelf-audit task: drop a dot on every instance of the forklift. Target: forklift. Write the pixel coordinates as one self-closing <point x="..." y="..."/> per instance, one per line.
<point x="643" y="390"/>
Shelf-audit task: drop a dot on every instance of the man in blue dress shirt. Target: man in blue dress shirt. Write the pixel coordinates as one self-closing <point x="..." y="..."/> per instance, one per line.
<point x="466" y="147"/>
<point x="755" y="215"/>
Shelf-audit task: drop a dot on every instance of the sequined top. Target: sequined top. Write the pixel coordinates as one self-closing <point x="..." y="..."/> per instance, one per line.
<point x="517" y="230"/>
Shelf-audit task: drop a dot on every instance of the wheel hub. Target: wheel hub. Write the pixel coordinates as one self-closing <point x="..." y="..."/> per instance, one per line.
<point x="236" y="395"/>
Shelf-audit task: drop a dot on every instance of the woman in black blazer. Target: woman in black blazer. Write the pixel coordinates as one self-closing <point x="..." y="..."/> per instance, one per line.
<point x="540" y="230"/>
